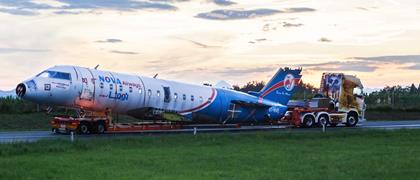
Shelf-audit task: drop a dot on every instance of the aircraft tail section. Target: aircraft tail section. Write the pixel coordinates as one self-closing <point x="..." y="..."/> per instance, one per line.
<point x="282" y="86"/>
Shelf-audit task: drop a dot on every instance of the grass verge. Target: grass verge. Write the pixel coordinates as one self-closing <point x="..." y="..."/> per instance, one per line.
<point x="263" y="155"/>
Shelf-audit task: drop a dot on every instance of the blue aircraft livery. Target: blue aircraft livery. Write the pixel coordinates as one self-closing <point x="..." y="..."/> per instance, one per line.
<point x="151" y="98"/>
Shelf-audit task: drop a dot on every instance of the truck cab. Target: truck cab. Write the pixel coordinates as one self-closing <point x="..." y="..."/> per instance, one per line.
<point x="340" y="101"/>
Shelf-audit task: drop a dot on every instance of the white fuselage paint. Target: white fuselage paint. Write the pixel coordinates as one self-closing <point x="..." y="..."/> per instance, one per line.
<point x="97" y="90"/>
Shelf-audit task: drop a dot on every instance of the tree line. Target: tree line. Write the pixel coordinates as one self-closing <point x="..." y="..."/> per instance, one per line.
<point x="395" y="97"/>
<point x="303" y="90"/>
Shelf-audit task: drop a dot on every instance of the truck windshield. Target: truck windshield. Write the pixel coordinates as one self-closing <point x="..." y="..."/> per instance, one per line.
<point x="358" y="91"/>
<point x="55" y="75"/>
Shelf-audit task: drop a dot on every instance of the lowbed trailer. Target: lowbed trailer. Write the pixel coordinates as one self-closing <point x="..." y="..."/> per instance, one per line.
<point x="101" y="125"/>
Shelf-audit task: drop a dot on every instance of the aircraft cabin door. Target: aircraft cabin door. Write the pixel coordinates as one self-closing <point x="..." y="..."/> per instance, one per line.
<point x="87" y="92"/>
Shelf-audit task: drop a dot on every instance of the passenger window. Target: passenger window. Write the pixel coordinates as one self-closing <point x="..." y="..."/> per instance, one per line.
<point x="176" y="96"/>
<point x="130" y="89"/>
<point x="101" y="85"/>
<point x="149" y="92"/>
<point x="192" y="97"/>
<point x="111" y="86"/>
<point x="121" y="88"/>
<point x="184" y="97"/>
<point x="140" y="91"/>
<point x="201" y="99"/>
<point x="158" y="93"/>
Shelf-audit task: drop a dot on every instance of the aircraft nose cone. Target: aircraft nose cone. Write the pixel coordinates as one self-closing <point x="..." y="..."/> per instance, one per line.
<point x="21" y="90"/>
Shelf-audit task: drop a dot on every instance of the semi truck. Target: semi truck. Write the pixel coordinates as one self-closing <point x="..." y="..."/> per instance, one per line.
<point x="340" y="101"/>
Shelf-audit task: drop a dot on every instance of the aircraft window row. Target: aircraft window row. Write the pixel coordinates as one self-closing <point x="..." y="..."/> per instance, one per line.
<point x="55" y="75"/>
<point x="101" y="85"/>
<point x="111" y="87"/>
<point x="130" y="89"/>
<point x="167" y="95"/>
<point x="121" y="88"/>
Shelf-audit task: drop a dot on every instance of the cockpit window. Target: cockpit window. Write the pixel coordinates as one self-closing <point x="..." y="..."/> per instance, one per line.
<point x="55" y="75"/>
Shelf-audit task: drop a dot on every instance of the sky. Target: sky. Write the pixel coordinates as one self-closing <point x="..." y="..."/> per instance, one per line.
<point x="201" y="41"/>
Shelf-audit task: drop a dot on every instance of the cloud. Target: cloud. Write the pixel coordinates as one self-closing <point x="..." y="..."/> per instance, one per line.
<point x="286" y="24"/>
<point x="392" y="59"/>
<point x="24" y="4"/>
<point x="324" y="39"/>
<point x="199" y="44"/>
<point x="15" y="50"/>
<point x="340" y="66"/>
<point x="22" y="7"/>
<point x="412" y="61"/>
<point x="124" y="5"/>
<point x="29" y="8"/>
<point x="224" y="14"/>
<point x="69" y="12"/>
<point x="20" y="12"/>
<point x="299" y="10"/>
<point x="110" y="41"/>
<point x="223" y="2"/>
<point x="72" y="12"/>
<point x="123" y="52"/>
<point x="413" y="67"/>
<point x="230" y="71"/>
<point x="237" y="14"/>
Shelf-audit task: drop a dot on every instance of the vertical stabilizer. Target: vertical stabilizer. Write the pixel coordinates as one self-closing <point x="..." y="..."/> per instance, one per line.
<point x="282" y="86"/>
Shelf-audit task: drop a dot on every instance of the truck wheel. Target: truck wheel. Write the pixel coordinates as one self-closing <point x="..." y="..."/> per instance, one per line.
<point x="100" y="129"/>
<point x="308" y="121"/>
<point x="352" y="120"/>
<point x="323" y="120"/>
<point x="83" y="128"/>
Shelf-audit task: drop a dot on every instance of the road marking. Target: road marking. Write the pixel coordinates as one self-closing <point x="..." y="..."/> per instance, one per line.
<point x="390" y="126"/>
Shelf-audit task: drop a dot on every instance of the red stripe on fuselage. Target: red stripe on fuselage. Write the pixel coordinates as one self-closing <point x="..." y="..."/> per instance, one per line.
<point x="202" y="105"/>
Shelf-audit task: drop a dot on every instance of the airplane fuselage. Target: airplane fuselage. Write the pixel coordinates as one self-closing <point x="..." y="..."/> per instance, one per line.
<point x="144" y="97"/>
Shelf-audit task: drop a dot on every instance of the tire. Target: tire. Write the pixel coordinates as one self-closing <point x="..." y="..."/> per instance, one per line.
<point x="352" y="119"/>
<point x="83" y="128"/>
<point x="308" y="121"/>
<point x="55" y="131"/>
<point x="323" y="120"/>
<point x="100" y="128"/>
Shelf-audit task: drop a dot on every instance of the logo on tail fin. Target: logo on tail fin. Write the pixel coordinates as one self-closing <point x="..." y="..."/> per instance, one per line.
<point x="289" y="82"/>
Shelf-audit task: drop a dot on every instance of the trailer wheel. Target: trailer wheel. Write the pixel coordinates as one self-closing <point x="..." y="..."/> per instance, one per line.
<point x="55" y="131"/>
<point x="352" y="119"/>
<point x="83" y="128"/>
<point x="323" y="120"/>
<point x="100" y="128"/>
<point x="308" y="121"/>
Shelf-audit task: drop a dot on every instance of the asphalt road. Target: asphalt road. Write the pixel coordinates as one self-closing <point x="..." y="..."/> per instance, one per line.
<point x="32" y="136"/>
